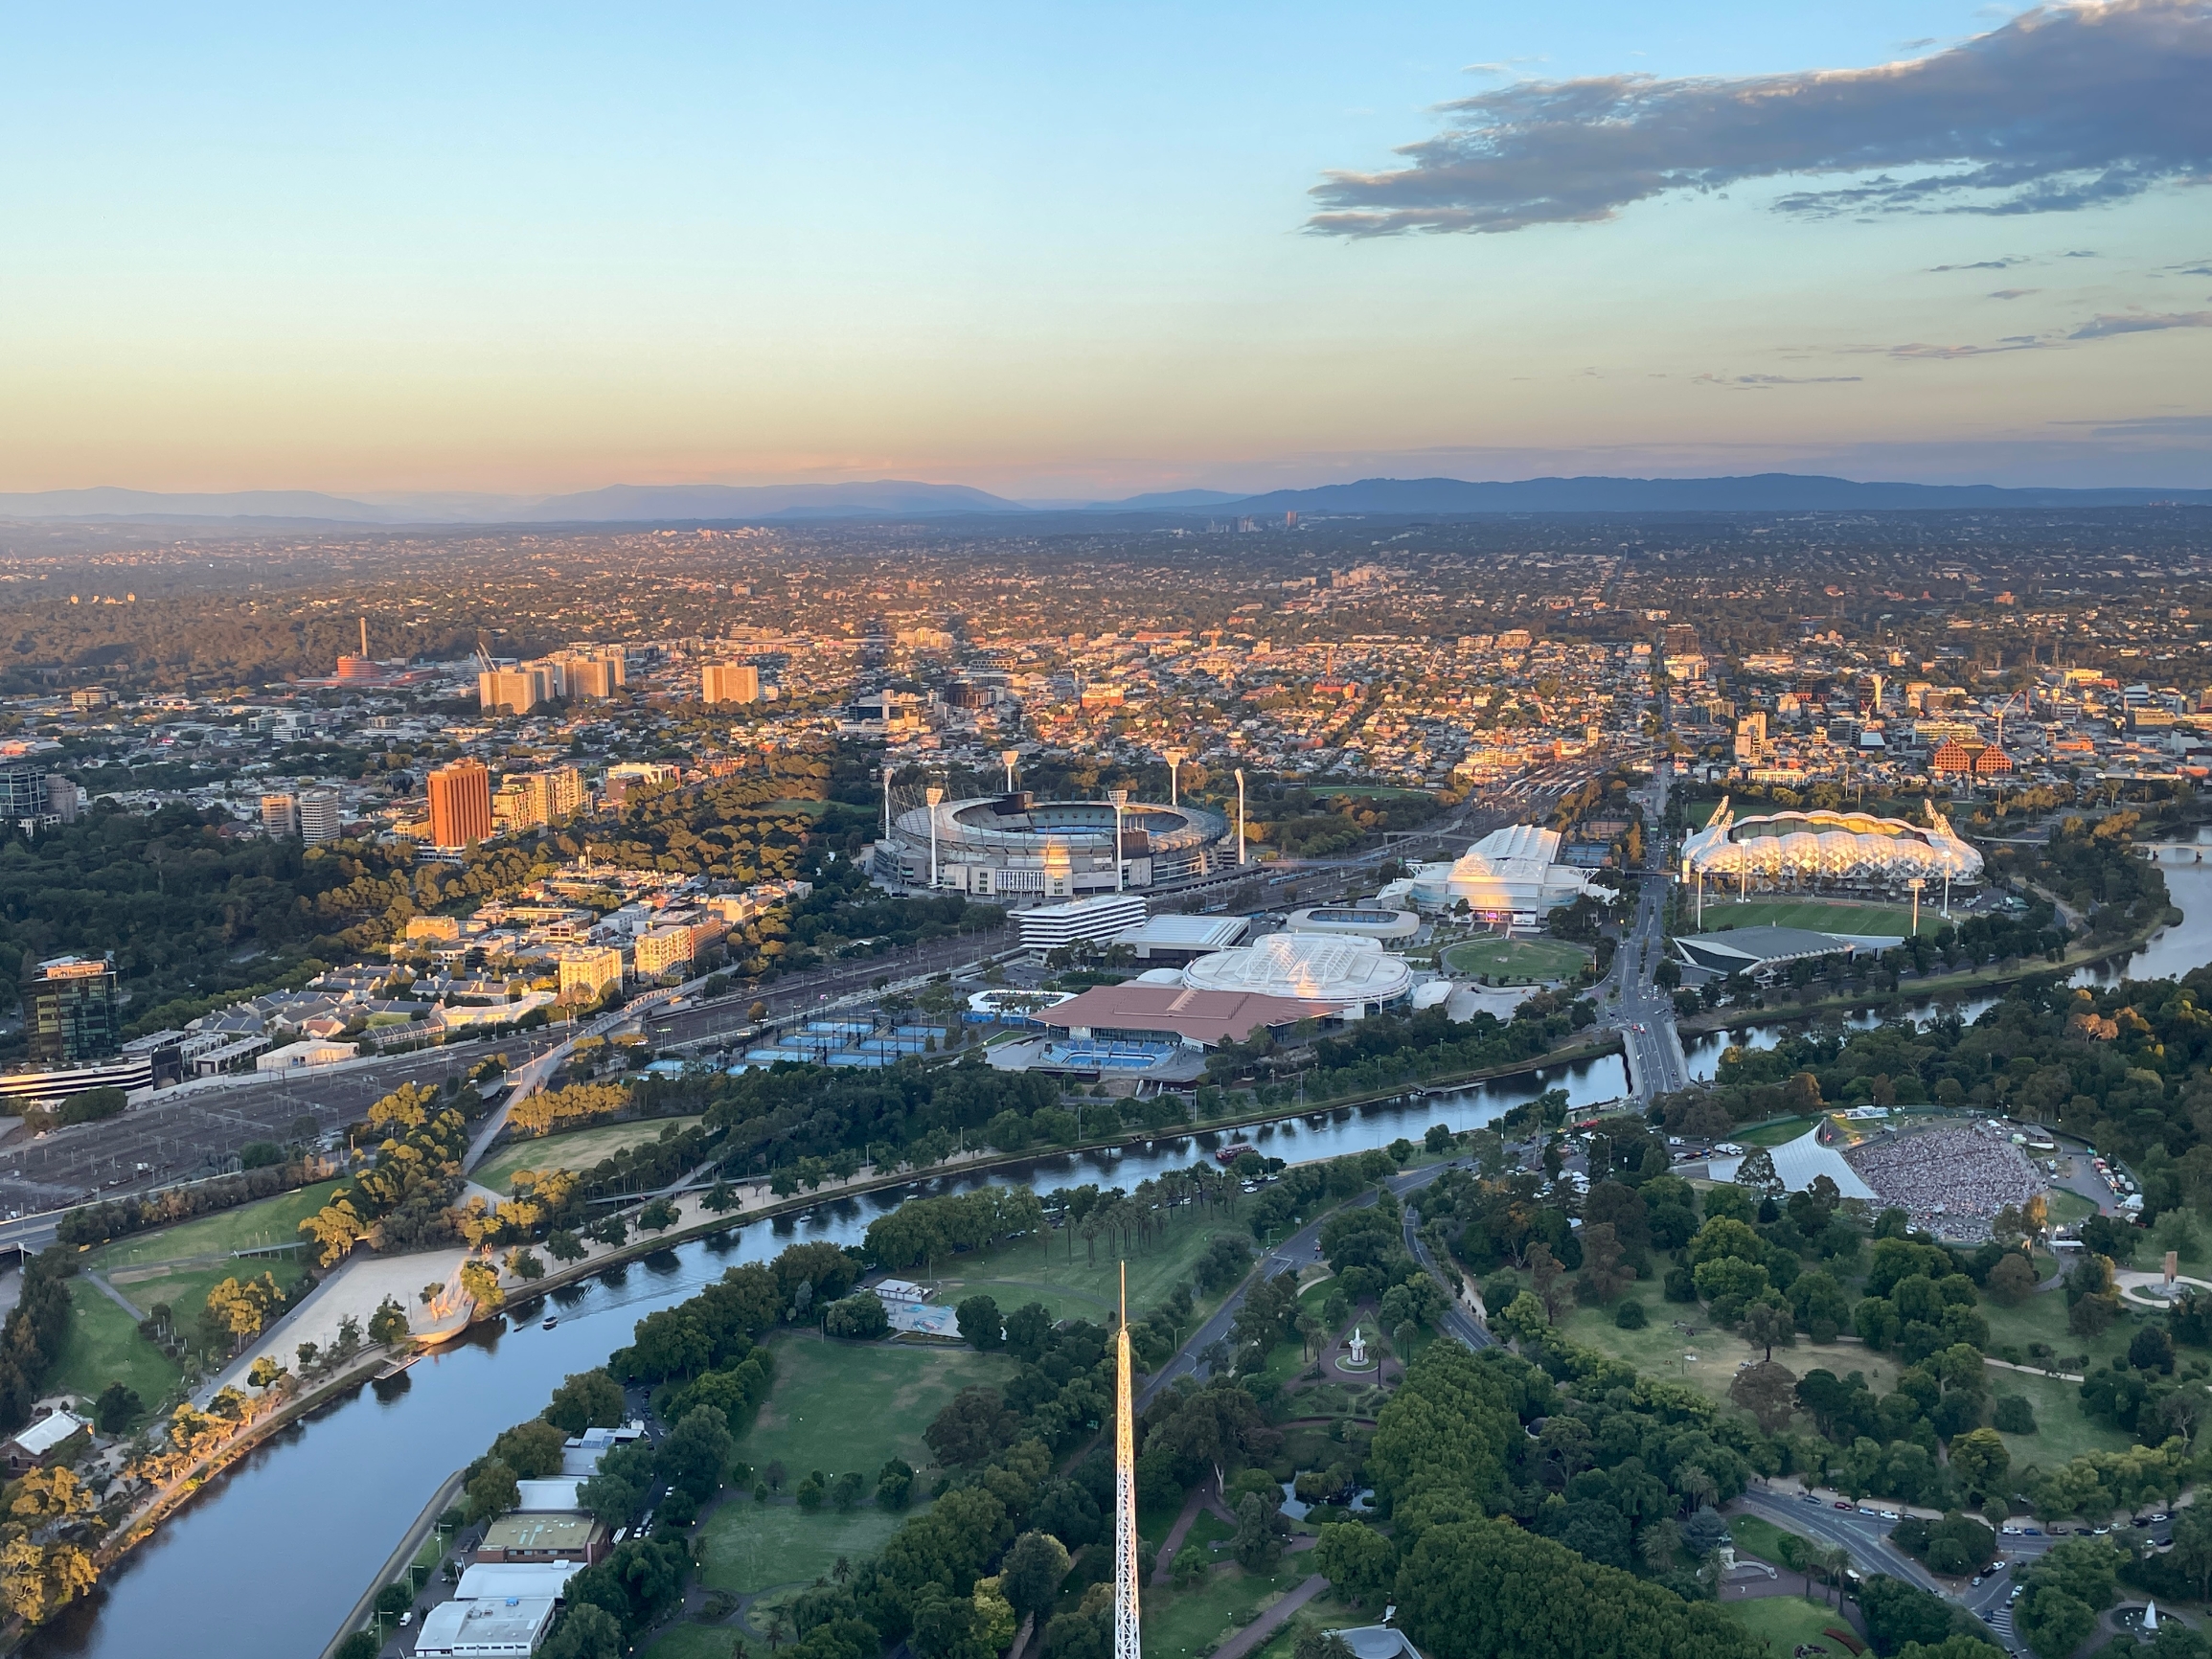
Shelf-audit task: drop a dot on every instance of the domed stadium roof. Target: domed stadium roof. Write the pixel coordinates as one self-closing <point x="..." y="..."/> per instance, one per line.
<point x="1351" y="974"/>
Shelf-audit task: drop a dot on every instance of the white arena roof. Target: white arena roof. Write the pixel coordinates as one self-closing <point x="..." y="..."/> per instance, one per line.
<point x="1354" y="974"/>
<point x="1799" y="1163"/>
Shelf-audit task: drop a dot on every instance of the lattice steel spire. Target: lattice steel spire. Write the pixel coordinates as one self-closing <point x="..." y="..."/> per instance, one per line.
<point x="1128" y="1644"/>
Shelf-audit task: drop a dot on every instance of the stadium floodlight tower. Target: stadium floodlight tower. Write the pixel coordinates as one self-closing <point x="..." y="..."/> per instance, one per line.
<point x="1916" y="884"/>
<point x="1006" y="759"/>
<point x="1128" y="1642"/>
<point x="1240" y="816"/>
<point x="1175" y="759"/>
<point x="1121" y="800"/>
<point x="935" y="796"/>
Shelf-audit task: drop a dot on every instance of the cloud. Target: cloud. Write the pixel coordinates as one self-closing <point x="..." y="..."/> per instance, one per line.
<point x="1921" y="352"/>
<point x="2004" y="264"/>
<point x="2013" y="293"/>
<point x="1760" y="382"/>
<point x="2060" y="108"/>
<point x="2140" y="323"/>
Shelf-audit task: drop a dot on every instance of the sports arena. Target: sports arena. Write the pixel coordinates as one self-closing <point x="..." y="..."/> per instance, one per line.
<point x="1789" y="849"/>
<point x="1019" y="847"/>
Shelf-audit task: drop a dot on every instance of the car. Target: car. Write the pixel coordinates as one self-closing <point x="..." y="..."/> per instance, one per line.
<point x="2017" y="1591"/>
<point x="2036" y="1531"/>
<point x="1806" y="1498"/>
<point x="1977" y="1580"/>
<point x="1995" y="1567"/>
<point x="1869" y="1510"/>
<point x="2099" y="1531"/>
<point x="1841" y="1504"/>
<point x="1891" y="1516"/>
<point x="2161" y="1517"/>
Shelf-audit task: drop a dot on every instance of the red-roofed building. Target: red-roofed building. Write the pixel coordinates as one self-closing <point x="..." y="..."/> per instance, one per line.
<point x="1135" y="1013"/>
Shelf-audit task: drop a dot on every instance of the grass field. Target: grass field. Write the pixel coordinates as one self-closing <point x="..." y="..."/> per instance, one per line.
<point x="1818" y="916"/>
<point x="839" y="1406"/>
<point x="1178" y="1623"/>
<point x="1761" y="1537"/>
<point x="1063" y="1275"/>
<point x="1516" y="961"/>
<point x="578" y="1149"/>
<point x="1787" y="1623"/>
<point x="693" y="1642"/>
<point x="1660" y="1351"/>
<point x="103" y="1346"/>
<point x="747" y="1548"/>
<point x="268" y="1221"/>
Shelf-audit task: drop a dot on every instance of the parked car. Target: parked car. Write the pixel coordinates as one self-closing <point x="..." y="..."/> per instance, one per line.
<point x="1841" y="1504"/>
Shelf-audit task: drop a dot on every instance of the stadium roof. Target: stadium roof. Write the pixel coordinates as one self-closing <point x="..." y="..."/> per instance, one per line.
<point x="1746" y="949"/>
<point x="1798" y="1163"/>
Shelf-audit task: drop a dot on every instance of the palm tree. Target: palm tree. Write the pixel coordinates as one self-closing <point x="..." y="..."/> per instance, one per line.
<point x="1833" y="1564"/>
<point x="842" y="1571"/>
<point x="1695" y="1486"/>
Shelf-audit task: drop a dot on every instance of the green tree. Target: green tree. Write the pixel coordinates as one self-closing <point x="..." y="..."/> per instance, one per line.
<point x="492" y="1492"/>
<point x="587" y="1400"/>
<point x="1980" y="1463"/>
<point x="1032" y="1573"/>
<point x="981" y="1325"/>
<point x="1359" y="1562"/>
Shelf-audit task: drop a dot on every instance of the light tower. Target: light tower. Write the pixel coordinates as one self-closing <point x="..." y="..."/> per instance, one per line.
<point x="934" y="796"/>
<point x="1128" y="1642"/>
<point x="1916" y="884"/>
<point x="1175" y="759"/>
<point x="1121" y="800"/>
<point x="1006" y="759"/>
<point x="1240" y="815"/>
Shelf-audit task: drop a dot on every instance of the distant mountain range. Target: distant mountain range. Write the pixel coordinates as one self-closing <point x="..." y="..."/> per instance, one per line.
<point x="896" y="498"/>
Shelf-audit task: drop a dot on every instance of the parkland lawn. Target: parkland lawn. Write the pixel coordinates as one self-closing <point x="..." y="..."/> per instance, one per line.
<point x="578" y="1149"/>
<point x="836" y="1406"/>
<point x="1516" y="961"/>
<point x="1075" y="1281"/>
<point x="103" y="1346"/>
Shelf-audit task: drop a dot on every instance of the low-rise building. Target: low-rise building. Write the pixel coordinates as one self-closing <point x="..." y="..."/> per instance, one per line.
<point x="46" y="1441"/>
<point x="545" y="1536"/>
<point x="485" y="1629"/>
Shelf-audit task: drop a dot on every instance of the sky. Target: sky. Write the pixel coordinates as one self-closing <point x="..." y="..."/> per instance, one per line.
<point x="1068" y="252"/>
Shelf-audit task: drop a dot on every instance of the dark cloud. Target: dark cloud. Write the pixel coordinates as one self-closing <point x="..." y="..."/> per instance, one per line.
<point x="2013" y="293"/>
<point x="2060" y="108"/>
<point x="2140" y="323"/>
<point x="2004" y="264"/>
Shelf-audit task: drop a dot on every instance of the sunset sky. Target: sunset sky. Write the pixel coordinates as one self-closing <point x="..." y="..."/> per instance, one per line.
<point x="1072" y="252"/>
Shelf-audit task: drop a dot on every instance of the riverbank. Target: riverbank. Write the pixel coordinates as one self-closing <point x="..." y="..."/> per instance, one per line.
<point x="695" y="1222"/>
<point x="1979" y="979"/>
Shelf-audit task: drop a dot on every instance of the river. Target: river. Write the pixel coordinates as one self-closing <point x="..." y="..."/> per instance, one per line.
<point x="264" y="1562"/>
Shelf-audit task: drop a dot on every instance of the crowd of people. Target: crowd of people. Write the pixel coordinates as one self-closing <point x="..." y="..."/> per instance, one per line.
<point x="1951" y="1181"/>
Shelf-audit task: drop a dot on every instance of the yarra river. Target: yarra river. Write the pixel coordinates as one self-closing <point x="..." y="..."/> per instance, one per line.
<point x="264" y="1562"/>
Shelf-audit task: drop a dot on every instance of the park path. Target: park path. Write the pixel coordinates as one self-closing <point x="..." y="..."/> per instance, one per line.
<point x="1202" y="1497"/>
<point x="1257" y="1632"/>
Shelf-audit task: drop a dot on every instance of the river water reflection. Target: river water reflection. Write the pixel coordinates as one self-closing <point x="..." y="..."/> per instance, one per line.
<point x="265" y="1563"/>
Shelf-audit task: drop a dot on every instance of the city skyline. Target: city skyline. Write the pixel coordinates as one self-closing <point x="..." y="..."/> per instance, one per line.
<point x="1079" y="258"/>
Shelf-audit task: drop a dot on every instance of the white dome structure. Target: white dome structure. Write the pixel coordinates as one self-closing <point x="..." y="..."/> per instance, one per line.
<point x="1357" y="976"/>
<point x="1782" y="849"/>
<point x="1511" y="875"/>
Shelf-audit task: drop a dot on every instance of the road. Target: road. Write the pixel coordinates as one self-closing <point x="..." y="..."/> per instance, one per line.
<point x="1644" y="1013"/>
<point x="1302" y="1249"/>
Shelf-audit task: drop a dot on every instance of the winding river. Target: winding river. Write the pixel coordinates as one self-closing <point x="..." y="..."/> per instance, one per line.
<point x="265" y="1561"/>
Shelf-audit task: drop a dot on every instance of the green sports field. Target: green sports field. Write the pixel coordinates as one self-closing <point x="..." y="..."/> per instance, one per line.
<point x="1816" y="915"/>
<point x="1516" y="961"/>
